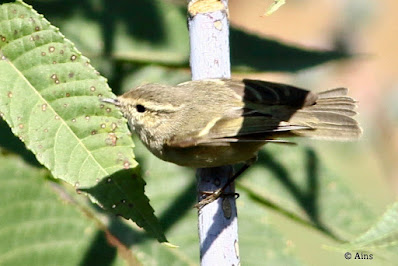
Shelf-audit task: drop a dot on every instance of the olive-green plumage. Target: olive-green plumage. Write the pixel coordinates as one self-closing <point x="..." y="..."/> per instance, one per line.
<point x="209" y="123"/>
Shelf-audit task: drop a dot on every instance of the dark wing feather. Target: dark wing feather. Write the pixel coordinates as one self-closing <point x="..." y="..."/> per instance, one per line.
<point x="272" y="93"/>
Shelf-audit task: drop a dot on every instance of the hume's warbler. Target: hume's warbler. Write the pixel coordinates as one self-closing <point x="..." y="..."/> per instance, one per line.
<point x="208" y="123"/>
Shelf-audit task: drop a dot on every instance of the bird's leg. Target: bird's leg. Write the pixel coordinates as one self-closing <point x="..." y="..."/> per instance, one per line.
<point x="213" y="195"/>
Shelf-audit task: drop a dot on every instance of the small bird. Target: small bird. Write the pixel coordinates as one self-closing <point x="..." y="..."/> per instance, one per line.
<point x="215" y="122"/>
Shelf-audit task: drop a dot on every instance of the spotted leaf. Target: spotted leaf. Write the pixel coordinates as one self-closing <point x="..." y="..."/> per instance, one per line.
<point x="50" y="97"/>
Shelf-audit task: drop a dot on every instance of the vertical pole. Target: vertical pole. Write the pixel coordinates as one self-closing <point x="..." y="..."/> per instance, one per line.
<point x="209" y="58"/>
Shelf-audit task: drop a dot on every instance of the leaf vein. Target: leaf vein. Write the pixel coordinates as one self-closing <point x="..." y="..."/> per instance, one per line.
<point x="63" y="122"/>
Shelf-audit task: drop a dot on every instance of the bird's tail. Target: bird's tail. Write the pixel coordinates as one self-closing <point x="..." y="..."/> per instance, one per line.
<point x="329" y="118"/>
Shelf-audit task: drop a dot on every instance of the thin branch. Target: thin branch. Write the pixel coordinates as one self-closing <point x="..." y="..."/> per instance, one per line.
<point x="209" y="58"/>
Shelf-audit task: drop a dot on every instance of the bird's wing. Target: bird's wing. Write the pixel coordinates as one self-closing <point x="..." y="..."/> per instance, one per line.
<point x="265" y="115"/>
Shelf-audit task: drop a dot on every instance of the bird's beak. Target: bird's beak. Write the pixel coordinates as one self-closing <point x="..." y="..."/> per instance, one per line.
<point x="111" y="101"/>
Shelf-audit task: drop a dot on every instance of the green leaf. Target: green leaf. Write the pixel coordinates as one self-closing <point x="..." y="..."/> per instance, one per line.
<point x="38" y="228"/>
<point x="381" y="238"/>
<point x="250" y="52"/>
<point x="50" y="97"/>
<point x="139" y="31"/>
<point x="10" y="143"/>
<point x="155" y="32"/>
<point x="259" y="239"/>
<point x="295" y="182"/>
<point x="123" y="194"/>
<point x="383" y="233"/>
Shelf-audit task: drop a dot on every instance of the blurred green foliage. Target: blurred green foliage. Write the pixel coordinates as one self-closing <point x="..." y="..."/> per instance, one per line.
<point x="42" y="225"/>
<point x="134" y="42"/>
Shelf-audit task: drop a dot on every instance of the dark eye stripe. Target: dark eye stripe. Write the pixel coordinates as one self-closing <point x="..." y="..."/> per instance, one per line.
<point x="140" y="108"/>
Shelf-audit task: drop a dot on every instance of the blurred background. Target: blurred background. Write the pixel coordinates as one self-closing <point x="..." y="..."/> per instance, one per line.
<point x="296" y="203"/>
<point x="364" y="28"/>
<point x="368" y="30"/>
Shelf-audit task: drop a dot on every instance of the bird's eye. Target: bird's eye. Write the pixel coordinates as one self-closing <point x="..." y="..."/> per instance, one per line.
<point x="140" y="108"/>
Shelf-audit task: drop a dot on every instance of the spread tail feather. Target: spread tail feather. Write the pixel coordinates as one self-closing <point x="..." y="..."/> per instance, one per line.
<point x="329" y="118"/>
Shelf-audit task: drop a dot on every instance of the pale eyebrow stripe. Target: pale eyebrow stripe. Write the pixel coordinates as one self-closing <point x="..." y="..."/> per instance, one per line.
<point x="209" y="126"/>
<point x="164" y="107"/>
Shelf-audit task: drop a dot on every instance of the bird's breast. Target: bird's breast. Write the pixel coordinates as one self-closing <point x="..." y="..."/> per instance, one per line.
<point x="204" y="156"/>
